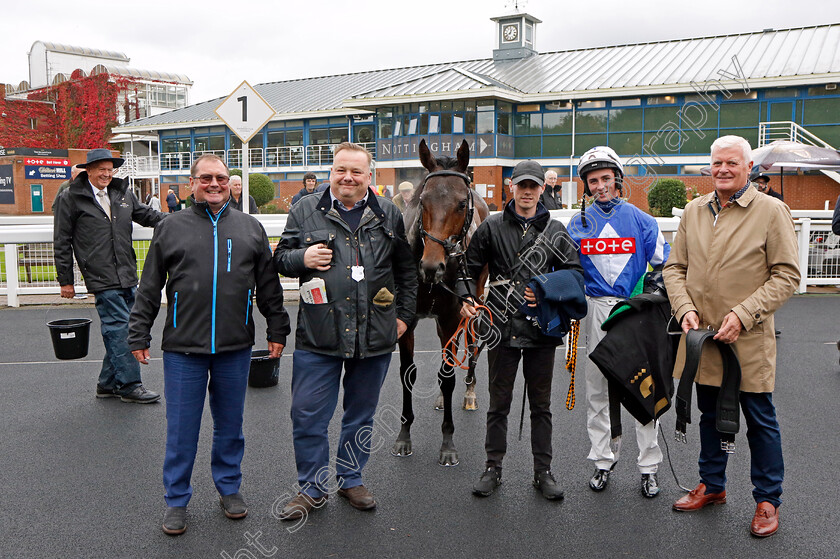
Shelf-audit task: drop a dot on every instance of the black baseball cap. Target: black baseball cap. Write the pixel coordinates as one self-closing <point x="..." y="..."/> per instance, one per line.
<point x="528" y="170"/>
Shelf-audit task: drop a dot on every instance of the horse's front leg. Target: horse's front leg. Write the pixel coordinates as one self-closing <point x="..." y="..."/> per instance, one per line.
<point x="448" y="453"/>
<point x="470" y="399"/>
<point x="408" y="378"/>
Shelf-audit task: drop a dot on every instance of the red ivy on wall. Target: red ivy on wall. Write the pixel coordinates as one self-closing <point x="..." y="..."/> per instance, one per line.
<point x="84" y="114"/>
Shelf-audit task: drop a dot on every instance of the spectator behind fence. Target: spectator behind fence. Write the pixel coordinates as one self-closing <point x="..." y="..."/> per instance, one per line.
<point x="236" y="196"/>
<point x="93" y="221"/>
<point x="207" y="249"/>
<point x="734" y="263"/>
<point x="172" y="201"/>
<point x="310" y="181"/>
<point x="154" y="202"/>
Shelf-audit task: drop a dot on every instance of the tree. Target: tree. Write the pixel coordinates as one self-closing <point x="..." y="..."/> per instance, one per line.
<point x="259" y="186"/>
<point x="666" y="194"/>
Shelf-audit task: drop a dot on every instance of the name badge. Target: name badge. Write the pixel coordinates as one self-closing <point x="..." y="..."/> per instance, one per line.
<point x="357" y="272"/>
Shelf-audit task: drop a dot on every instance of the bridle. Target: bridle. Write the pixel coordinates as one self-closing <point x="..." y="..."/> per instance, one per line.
<point x="455" y="245"/>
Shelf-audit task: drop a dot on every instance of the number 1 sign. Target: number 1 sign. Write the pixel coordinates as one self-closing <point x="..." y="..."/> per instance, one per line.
<point x="245" y="112"/>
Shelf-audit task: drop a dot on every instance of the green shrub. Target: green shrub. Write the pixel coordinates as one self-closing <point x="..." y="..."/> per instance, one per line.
<point x="666" y="194"/>
<point x="271" y="209"/>
<point x="259" y="186"/>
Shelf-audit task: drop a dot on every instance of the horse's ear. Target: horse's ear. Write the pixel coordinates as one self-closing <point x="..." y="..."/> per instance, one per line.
<point x="463" y="156"/>
<point x="426" y="157"/>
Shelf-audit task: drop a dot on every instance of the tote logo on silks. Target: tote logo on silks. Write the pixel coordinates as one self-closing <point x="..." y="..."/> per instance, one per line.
<point x="614" y="245"/>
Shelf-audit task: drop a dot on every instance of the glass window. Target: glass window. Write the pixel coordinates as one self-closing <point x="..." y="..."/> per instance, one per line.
<point x="527" y="124"/>
<point x="558" y="106"/>
<point x="591" y="121"/>
<point x="385" y="127"/>
<point x="526" y="147"/>
<point x="505" y="107"/>
<point x="294" y="138"/>
<point x="276" y="139"/>
<point x="739" y="114"/>
<point x="781" y="92"/>
<point x="412" y="126"/>
<point x="662" y="100"/>
<point x="445" y="123"/>
<point x="707" y="97"/>
<point x="319" y="136"/>
<point x="424" y="124"/>
<point x="822" y="111"/>
<point x="485" y="122"/>
<point x="695" y="144"/>
<point x="821" y="89"/>
<point x="740" y="95"/>
<point x="557" y="123"/>
<point x="457" y="123"/>
<point x="527" y="108"/>
<point x="629" y="102"/>
<point x="585" y="142"/>
<point x="830" y="134"/>
<point x="622" y="120"/>
<point x="485" y="105"/>
<point x="749" y="134"/>
<point x="434" y="124"/>
<point x="626" y="144"/>
<point x="363" y="133"/>
<point x="469" y="123"/>
<point x="592" y="105"/>
<point x="503" y="123"/>
<point x="557" y="146"/>
<point x="656" y="118"/>
<point x="338" y="135"/>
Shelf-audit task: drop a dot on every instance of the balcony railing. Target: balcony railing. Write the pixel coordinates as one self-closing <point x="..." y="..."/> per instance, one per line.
<point x="270" y="158"/>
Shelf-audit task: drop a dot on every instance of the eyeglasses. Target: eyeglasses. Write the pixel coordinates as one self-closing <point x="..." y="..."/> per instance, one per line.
<point x="207" y="179"/>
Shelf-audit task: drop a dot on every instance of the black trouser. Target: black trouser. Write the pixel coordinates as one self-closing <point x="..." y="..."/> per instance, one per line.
<point x="538" y="369"/>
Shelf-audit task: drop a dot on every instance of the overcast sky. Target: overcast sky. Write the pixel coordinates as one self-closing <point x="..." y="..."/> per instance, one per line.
<point x="220" y="43"/>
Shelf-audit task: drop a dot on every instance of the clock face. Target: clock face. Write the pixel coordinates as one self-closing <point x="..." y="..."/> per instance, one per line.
<point x="510" y="32"/>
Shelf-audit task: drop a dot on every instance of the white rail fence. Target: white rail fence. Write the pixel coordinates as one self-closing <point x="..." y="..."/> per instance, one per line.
<point x="27" y="248"/>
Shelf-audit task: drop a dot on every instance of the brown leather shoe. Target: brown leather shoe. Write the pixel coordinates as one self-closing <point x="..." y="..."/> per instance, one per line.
<point x="359" y="497"/>
<point x="698" y="498"/>
<point x="766" y="520"/>
<point x="301" y="506"/>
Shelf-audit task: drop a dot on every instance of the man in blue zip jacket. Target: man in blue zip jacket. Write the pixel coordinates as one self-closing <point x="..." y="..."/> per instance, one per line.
<point x="210" y="259"/>
<point x="617" y="241"/>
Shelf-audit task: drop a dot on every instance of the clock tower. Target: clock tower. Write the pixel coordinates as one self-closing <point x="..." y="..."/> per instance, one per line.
<point x="515" y="36"/>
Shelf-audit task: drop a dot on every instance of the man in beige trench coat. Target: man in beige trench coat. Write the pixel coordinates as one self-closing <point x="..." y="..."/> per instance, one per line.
<point x="733" y="263"/>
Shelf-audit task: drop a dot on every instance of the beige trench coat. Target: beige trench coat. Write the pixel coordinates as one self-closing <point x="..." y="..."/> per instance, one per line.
<point x="747" y="263"/>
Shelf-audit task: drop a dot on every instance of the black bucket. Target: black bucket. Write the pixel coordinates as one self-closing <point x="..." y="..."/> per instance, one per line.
<point x="265" y="370"/>
<point x="70" y="337"/>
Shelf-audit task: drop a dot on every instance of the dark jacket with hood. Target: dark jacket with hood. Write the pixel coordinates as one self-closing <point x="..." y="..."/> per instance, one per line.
<point x="102" y="246"/>
<point x="517" y="249"/>
<point x="212" y="266"/>
<point x="360" y="317"/>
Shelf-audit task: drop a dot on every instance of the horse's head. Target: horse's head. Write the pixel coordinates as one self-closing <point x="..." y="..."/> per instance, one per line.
<point x="445" y="209"/>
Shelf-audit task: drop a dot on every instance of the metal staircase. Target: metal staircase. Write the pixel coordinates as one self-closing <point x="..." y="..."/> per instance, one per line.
<point x="785" y="130"/>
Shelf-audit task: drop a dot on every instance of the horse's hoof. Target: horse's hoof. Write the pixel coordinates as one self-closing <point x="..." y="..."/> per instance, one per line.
<point x="470" y="403"/>
<point x="448" y="458"/>
<point x="402" y="449"/>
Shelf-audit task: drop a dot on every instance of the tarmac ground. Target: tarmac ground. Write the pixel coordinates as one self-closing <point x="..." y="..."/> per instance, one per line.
<point x="82" y="477"/>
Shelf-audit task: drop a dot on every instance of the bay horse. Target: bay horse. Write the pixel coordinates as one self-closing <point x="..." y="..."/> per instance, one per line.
<point x="440" y="219"/>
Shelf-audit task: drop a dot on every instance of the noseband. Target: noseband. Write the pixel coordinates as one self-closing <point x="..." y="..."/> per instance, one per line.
<point x="455" y="245"/>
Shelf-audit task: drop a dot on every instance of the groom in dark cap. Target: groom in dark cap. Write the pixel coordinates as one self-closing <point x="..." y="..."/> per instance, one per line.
<point x="93" y="220"/>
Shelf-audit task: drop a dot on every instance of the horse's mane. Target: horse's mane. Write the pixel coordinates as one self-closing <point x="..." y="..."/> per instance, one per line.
<point x="443" y="163"/>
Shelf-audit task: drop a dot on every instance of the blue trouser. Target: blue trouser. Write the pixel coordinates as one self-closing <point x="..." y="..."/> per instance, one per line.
<point x="120" y="370"/>
<point x="185" y="377"/>
<point x="315" y="383"/>
<point x="767" y="469"/>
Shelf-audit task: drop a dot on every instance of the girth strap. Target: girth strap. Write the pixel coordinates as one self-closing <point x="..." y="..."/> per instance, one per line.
<point x="728" y="406"/>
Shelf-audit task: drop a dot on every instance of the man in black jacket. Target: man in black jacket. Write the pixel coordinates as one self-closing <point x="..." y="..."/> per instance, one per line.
<point x="93" y="220"/>
<point x="310" y="181"/>
<point x="212" y="260"/>
<point x="236" y="196"/>
<point x="519" y="243"/>
<point x="353" y="243"/>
